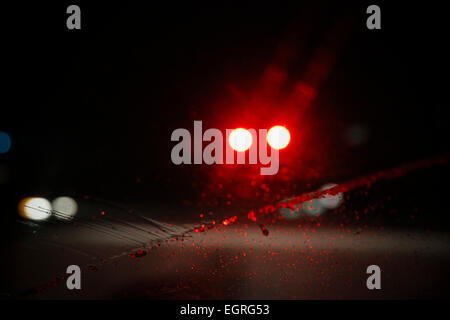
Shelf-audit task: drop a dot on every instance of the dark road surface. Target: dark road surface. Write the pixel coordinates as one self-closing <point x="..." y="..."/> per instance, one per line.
<point x="237" y="262"/>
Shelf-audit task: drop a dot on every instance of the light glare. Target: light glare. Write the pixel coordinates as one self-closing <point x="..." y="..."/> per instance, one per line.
<point x="240" y="139"/>
<point x="278" y="137"/>
<point x="64" y="208"/>
<point x="34" y="208"/>
<point x="331" y="201"/>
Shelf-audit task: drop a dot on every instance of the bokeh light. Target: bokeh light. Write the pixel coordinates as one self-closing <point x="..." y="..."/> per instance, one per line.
<point x="64" y="208"/>
<point x="329" y="201"/>
<point x="278" y="137"/>
<point x="5" y="142"/>
<point x="34" y="208"/>
<point x="240" y="139"/>
<point x="289" y="213"/>
<point x="312" y="207"/>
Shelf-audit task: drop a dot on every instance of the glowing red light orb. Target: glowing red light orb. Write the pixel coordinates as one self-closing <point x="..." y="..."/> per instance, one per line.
<point x="278" y="137"/>
<point x="240" y="139"/>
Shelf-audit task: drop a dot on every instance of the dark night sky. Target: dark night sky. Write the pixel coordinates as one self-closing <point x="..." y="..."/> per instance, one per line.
<point x="91" y="111"/>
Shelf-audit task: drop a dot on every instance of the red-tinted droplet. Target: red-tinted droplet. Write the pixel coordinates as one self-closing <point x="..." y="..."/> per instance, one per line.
<point x="137" y="254"/>
<point x="92" y="268"/>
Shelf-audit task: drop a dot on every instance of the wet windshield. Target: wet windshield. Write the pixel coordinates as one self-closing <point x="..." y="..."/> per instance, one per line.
<point x="214" y="152"/>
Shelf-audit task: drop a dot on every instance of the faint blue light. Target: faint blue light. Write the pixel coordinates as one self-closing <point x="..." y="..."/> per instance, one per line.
<point x="5" y="142"/>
